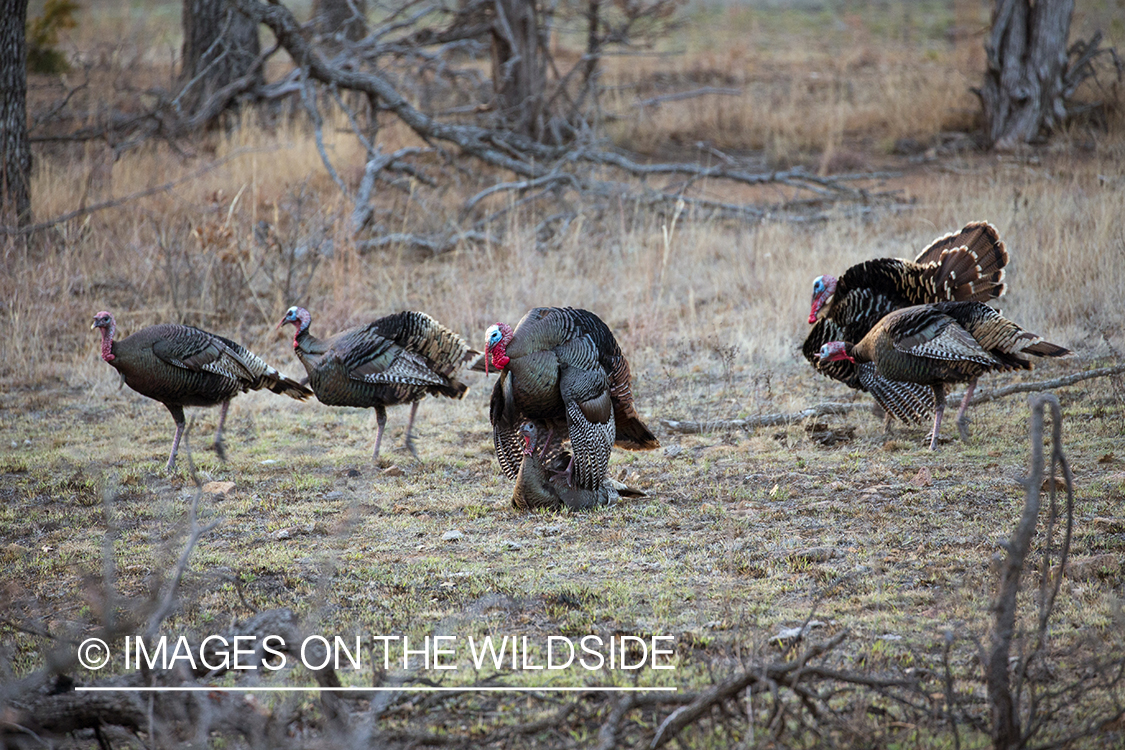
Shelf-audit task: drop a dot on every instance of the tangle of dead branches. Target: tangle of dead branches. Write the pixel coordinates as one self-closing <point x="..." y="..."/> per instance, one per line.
<point x="415" y="66"/>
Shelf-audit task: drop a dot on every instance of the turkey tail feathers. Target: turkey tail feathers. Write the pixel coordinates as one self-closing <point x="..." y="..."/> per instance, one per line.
<point x="1047" y="349"/>
<point x="633" y="435"/>
<point x="287" y="386"/>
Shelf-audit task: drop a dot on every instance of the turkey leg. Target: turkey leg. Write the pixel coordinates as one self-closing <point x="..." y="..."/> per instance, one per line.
<point x="381" y="420"/>
<point x="939" y="409"/>
<point x="962" y="418"/>
<point x="409" y="429"/>
<point x="220" y="447"/>
<point x="178" y="416"/>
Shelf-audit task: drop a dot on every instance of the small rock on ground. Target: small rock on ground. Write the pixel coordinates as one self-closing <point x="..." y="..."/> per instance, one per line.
<point x="218" y="488"/>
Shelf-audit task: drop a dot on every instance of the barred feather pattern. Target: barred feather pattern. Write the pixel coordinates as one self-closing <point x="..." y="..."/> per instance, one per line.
<point x="185" y="366"/>
<point x="397" y="359"/>
<point x="949" y="342"/>
<point x="566" y="373"/>
<point x="908" y="402"/>
<point x="963" y="265"/>
<point x="592" y="442"/>
<point x="504" y="416"/>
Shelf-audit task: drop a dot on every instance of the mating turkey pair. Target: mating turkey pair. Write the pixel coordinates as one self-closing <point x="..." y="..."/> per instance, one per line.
<point x="562" y="374"/>
<point x="903" y="330"/>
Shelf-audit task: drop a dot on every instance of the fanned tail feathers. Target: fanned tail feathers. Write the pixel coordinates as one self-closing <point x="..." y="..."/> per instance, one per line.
<point x="968" y="265"/>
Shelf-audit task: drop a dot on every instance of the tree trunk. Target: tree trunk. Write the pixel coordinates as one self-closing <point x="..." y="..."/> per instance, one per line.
<point x="347" y="17"/>
<point x="15" y="173"/>
<point x="519" y="68"/>
<point x="1023" y="91"/>
<point x="220" y="47"/>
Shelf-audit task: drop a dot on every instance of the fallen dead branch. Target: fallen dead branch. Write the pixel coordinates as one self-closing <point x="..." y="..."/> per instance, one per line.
<point x="766" y="420"/>
<point x="1042" y="385"/>
<point x="801" y="677"/>
<point x="681" y="95"/>
<point x="538" y="163"/>
<point x="772" y="420"/>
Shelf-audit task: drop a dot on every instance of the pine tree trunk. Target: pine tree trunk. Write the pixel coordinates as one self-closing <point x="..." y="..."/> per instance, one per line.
<point x="1023" y="91"/>
<point x="15" y="172"/>
<point x="341" y="16"/>
<point x="519" y="71"/>
<point x="220" y="46"/>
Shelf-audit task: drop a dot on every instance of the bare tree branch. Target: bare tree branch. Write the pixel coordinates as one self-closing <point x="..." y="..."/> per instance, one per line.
<point x="1006" y="722"/>
<point x="771" y="420"/>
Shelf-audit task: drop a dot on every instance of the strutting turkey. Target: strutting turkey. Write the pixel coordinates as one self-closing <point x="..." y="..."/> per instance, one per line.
<point x="541" y="486"/>
<point x="394" y="360"/>
<point x="182" y="366"/>
<point x="948" y="342"/>
<point x="562" y="369"/>
<point x="967" y="265"/>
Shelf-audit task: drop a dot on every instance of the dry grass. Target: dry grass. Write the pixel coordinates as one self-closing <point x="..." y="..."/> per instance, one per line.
<point x="710" y="313"/>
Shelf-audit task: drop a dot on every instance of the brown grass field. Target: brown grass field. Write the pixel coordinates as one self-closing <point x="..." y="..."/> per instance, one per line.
<point x="741" y="534"/>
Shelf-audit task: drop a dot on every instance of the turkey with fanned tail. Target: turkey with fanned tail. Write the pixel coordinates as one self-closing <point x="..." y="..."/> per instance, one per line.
<point x="967" y="265"/>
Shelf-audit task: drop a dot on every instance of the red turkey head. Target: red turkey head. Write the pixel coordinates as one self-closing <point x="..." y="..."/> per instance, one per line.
<point x="497" y="338"/>
<point x="823" y="288"/>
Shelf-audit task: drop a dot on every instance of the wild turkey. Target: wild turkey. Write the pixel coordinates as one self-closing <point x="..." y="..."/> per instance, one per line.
<point x="965" y="265"/>
<point x="541" y="486"/>
<point x="183" y="366"/>
<point x="949" y="342"/>
<point x="394" y="360"/>
<point x="562" y="369"/>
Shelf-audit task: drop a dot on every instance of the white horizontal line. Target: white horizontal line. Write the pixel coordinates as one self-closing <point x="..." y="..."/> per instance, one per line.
<point x="291" y="689"/>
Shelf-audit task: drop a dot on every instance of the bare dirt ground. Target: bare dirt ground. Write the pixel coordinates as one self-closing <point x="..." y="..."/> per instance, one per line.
<point x="741" y="534"/>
